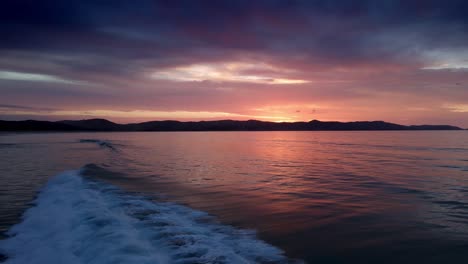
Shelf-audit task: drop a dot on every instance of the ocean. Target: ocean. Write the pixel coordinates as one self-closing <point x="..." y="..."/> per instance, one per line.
<point x="234" y="197"/>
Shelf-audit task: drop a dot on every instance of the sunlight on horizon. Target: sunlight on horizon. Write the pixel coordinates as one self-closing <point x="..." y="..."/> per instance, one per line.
<point x="149" y="115"/>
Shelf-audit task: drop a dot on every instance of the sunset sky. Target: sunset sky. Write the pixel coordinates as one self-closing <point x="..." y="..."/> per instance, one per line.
<point x="128" y="61"/>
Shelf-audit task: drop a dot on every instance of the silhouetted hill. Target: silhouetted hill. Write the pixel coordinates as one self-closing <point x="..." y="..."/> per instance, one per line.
<point x="220" y="125"/>
<point x="93" y="124"/>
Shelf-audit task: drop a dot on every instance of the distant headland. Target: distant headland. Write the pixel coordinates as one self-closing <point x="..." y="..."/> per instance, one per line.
<point x="220" y="125"/>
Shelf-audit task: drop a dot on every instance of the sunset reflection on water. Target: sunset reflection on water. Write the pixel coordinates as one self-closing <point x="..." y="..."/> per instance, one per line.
<point x="321" y="196"/>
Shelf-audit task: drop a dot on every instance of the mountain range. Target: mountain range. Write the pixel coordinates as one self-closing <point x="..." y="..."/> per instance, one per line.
<point x="220" y="125"/>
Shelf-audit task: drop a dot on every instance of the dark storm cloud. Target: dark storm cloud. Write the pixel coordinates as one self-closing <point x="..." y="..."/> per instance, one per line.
<point x="120" y="35"/>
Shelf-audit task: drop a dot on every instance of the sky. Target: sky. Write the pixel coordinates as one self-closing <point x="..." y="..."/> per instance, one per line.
<point x="129" y="61"/>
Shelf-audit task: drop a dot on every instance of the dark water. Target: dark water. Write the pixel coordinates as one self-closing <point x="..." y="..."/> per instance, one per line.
<point x="322" y="197"/>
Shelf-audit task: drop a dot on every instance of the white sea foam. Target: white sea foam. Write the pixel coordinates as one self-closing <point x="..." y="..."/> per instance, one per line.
<point x="77" y="220"/>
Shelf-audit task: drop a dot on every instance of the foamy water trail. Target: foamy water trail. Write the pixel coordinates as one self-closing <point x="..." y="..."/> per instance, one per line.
<point x="78" y="220"/>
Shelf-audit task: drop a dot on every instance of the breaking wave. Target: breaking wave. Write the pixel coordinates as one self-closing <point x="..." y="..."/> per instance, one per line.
<point x="80" y="220"/>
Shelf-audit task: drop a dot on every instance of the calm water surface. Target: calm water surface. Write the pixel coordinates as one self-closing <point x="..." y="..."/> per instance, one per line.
<point x="322" y="197"/>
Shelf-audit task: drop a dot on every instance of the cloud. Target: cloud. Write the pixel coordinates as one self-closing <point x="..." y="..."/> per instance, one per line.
<point x="324" y="33"/>
<point x="33" y="77"/>
<point x="228" y="72"/>
<point x="7" y="107"/>
<point x="361" y="59"/>
<point x="457" y="108"/>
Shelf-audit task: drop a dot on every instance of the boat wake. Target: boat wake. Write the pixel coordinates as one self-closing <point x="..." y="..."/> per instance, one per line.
<point x="76" y="219"/>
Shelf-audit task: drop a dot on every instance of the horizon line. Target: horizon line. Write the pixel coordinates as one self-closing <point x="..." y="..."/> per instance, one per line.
<point x="234" y="120"/>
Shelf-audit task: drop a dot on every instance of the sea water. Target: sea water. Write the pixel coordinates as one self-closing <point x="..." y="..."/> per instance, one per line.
<point x="234" y="197"/>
